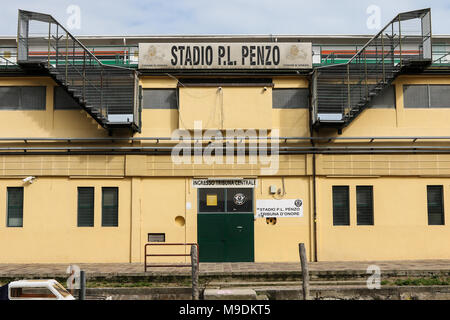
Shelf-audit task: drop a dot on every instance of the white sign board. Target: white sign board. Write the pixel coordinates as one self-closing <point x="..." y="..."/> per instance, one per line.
<point x="279" y="208"/>
<point x="264" y="55"/>
<point x="223" y="183"/>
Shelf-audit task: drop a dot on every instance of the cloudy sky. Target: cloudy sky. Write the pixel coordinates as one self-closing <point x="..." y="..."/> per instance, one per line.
<point x="151" y="17"/>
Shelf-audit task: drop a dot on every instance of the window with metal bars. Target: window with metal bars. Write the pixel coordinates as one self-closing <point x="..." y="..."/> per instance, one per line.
<point x="364" y="205"/>
<point x="22" y="98"/>
<point x="85" y="207"/>
<point x="290" y="98"/>
<point x="386" y="99"/>
<point x="160" y="99"/>
<point x="110" y="207"/>
<point x="435" y="197"/>
<point x="63" y="101"/>
<point x="426" y="96"/>
<point x="341" y="206"/>
<point x="15" y="207"/>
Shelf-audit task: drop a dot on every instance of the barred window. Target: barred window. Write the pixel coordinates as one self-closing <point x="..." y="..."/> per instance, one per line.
<point x="160" y="99"/>
<point x="386" y="99"/>
<point x="110" y="207"/>
<point x="435" y="198"/>
<point x="439" y="96"/>
<point x="290" y="98"/>
<point x="426" y="96"/>
<point x="364" y="205"/>
<point x="85" y="207"/>
<point x="63" y="101"/>
<point x="22" y="98"/>
<point x="415" y="96"/>
<point x="341" y="206"/>
<point x="15" y="207"/>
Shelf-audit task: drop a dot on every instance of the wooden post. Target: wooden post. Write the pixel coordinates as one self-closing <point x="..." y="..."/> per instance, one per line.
<point x="305" y="271"/>
<point x="194" y="262"/>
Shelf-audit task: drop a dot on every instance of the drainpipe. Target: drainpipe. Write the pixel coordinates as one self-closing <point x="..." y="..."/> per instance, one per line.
<point x="311" y="130"/>
<point x="314" y="209"/>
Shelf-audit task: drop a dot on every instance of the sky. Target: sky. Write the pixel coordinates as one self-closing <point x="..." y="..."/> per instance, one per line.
<point x="184" y="17"/>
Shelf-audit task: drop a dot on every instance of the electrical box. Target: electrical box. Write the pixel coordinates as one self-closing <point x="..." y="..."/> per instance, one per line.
<point x="273" y="189"/>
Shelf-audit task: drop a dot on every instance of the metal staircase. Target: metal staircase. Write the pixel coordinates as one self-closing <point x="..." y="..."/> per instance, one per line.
<point x="110" y="94"/>
<point x="341" y="92"/>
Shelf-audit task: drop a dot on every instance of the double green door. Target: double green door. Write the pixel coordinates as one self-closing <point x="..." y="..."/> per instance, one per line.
<point x="226" y="225"/>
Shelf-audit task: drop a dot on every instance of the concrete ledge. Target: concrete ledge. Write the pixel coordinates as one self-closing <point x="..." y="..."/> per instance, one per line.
<point x="168" y="293"/>
<point x="275" y="293"/>
<point x="359" y="293"/>
<point x="229" y="276"/>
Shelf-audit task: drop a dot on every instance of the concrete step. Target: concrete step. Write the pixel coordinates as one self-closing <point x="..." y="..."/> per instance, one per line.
<point x="229" y="294"/>
<point x="258" y="284"/>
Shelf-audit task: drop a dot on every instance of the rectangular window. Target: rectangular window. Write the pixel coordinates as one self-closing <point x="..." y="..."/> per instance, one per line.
<point x="156" y="237"/>
<point x="85" y="207"/>
<point x="15" y="207"/>
<point x="435" y="195"/>
<point x="416" y="96"/>
<point x="240" y="200"/>
<point x="110" y="207"/>
<point x="160" y="99"/>
<point x="211" y="200"/>
<point x="439" y="96"/>
<point x="426" y="96"/>
<point x="341" y="207"/>
<point x="63" y="101"/>
<point x="364" y="205"/>
<point x="386" y="99"/>
<point x="290" y="98"/>
<point x="22" y="98"/>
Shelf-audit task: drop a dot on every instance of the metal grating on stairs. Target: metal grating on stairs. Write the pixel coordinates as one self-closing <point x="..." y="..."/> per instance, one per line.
<point x="341" y="92"/>
<point x="110" y="94"/>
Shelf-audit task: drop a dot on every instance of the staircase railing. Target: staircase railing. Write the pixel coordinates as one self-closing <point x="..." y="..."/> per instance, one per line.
<point x="108" y="93"/>
<point x="342" y="91"/>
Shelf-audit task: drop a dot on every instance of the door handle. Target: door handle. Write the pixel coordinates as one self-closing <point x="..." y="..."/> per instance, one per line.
<point x="240" y="228"/>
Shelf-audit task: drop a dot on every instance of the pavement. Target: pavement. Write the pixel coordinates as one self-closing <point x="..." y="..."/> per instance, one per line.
<point x="441" y="267"/>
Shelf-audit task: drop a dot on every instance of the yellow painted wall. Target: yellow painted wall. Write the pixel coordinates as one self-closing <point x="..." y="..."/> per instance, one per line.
<point x="403" y="121"/>
<point x="47" y="123"/>
<point x="384" y="165"/>
<point x="279" y="243"/>
<point x="401" y="230"/>
<point x="162" y="202"/>
<point x="226" y="108"/>
<point x="50" y="233"/>
<point x="60" y="165"/>
<point x="231" y="108"/>
<point x="154" y="191"/>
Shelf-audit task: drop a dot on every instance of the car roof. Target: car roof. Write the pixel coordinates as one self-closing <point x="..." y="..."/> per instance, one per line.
<point x="32" y="283"/>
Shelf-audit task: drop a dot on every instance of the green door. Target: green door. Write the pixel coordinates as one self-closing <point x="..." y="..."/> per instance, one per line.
<point x="225" y="225"/>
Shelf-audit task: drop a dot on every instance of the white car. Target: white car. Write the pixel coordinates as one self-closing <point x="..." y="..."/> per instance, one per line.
<point x="37" y="290"/>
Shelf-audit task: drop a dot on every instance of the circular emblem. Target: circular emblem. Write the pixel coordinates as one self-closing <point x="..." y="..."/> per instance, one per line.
<point x="239" y="199"/>
<point x="298" y="203"/>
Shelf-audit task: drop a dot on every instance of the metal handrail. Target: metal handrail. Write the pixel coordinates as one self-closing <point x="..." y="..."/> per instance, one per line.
<point x="343" y="90"/>
<point x="169" y="139"/>
<point x="102" y="90"/>
<point x="53" y="20"/>
<point x="146" y="266"/>
<point x="397" y="18"/>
